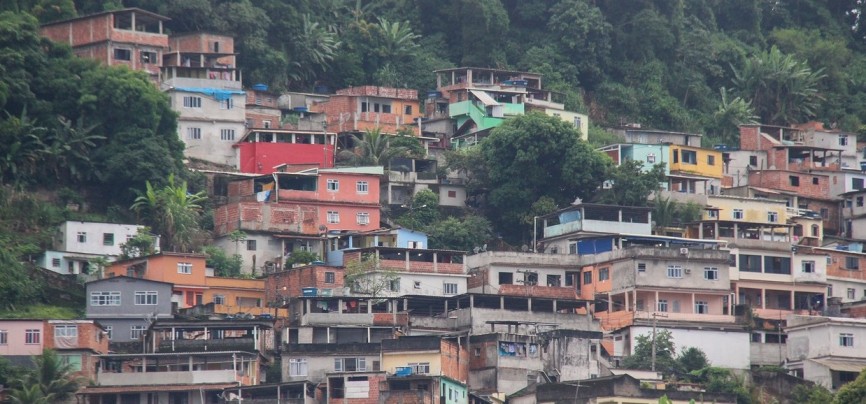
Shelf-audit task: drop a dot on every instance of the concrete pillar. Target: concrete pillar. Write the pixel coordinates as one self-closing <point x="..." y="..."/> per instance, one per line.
<point x="763" y="298"/>
<point x="328" y="334"/>
<point x="693" y="303"/>
<point x="793" y="306"/>
<point x="529" y="304"/>
<point x="656" y="303"/>
<point x="627" y="307"/>
<point x="501" y="303"/>
<point x="554" y="306"/>
<point x="634" y="299"/>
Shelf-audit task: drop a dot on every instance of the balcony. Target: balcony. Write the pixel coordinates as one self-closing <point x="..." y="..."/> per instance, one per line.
<point x="231" y="344"/>
<point x="166" y="378"/>
<point x="366" y="319"/>
<point x="619" y="319"/>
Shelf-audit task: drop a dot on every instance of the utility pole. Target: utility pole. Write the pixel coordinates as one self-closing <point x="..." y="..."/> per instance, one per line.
<point x="655" y="325"/>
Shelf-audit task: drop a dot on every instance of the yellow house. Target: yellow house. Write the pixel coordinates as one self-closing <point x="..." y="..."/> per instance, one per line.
<point x="748" y="210"/>
<point x="238" y="296"/>
<point x="696" y="161"/>
<point x="425" y="355"/>
<point x="580" y="121"/>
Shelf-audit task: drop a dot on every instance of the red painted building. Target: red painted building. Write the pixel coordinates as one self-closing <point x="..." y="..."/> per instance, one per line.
<point x="264" y="151"/>
<point x="132" y="37"/>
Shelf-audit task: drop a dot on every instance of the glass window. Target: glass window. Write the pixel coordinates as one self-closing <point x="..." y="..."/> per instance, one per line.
<point x="711" y="274"/>
<point x="846" y="339"/>
<point x="146" y="298"/>
<point x="333" y="185"/>
<point x="149" y="58"/>
<point x="191" y="102"/>
<point x="227" y="103"/>
<point x="702" y="307"/>
<point x="772" y="217"/>
<point x="227" y="134"/>
<point x="421" y="368"/>
<point x="184" y="268"/>
<point x="108" y="331"/>
<point x="105" y="298"/>
<point x="219" y="299"/>
<point x="193" y="133"/>
<point x="603" y="274"/>
<point x="554" y="280"/>
<point x="808" y="267"/>
<point x="108" y="239"/>
<point x="330" y="277"/>
<point x="750" y="263"/>
<point x="794" y="180"/>
<point x="362" y="187"/>
<point x="777" y="265"/>
<point x="852" y="263"/>
<point x="65" y="331"/>
<point x="408" y="110"/>
<point x="506" y="278"/>
<point x="850" y="293"/>
<point x="32" y="336"/>
<point x="711" y="160"/>
<point x="738" y="214"/>
<point x="297" y="367"/>
<point x="587" y="277"/>
<point x="4" y="337"/>
<point x="136" y="331"/>
<point x="55" y="262"/>
<point x="449" y="288"/>
<point x="675" y="271"/>
<point x="251" y="245"/>
<point x="73" y="360"/>
<point x="662" y="305"/>
<point x="82" y="237"/>
<point x="363" y="218"/>
<point x="123" y="54"/>
<point x="333" y="216"/>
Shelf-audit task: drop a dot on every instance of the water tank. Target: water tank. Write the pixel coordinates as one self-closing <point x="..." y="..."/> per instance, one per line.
<point x="260" y="87"/>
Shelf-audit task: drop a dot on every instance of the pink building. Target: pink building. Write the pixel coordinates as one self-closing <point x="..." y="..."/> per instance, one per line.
<point x="77" y="342"/>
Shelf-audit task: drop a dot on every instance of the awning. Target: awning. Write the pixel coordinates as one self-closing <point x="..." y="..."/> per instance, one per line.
<point x="842" y="365"/>
<point x="485" y="98"/>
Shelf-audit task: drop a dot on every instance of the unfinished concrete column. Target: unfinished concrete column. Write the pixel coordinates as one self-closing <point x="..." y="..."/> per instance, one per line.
<point x="793" y="302"/>
<point x="627" y="307"/>
<point x="554" y="306"/>
<point x="656" y="304"/>
<point x="501" y="302"/>
<point x="529" y="304"/>
<point x="693" y="303"/>
<point x="763" y="298"/>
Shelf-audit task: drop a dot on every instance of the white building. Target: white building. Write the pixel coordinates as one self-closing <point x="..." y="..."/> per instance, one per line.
<point x="830" y="351"/>
<point x="77" y="243"/>
<point x="726" y="346"/>
<point x="210" y="122"/>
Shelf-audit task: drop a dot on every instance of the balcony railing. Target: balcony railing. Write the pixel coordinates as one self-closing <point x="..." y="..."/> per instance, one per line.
<point x="230" y="344"/>
<point x="159" y="378"/>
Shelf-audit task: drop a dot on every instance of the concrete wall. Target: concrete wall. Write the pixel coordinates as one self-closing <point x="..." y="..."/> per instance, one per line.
<point x="724" y="348"/>
<point x="95" y="234"/>
<point x="267" y="249"/>
<point x="16" y="337"/>
<point x="211" y="120"/>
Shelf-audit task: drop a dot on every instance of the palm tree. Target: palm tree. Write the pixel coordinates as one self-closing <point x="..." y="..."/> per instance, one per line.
<point x="51" y="381"/>
<point x="730" y="114"/>
<point x="172" y="212"/>
<point x="312" y="50"/>
<point x="782" y="90"/>
<point x="21" y="148"/>
<point x="373" y="149"/>
<point x="664" y="212"/>
<point x="398" y="38"/>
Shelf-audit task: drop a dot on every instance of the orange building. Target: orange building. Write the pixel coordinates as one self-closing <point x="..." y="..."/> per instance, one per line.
<point x="356" y="109"/>
<point x="185" y="271"/>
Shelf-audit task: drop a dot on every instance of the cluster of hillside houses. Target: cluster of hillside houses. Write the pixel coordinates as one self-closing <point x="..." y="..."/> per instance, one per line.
<point x="771" y="273"/>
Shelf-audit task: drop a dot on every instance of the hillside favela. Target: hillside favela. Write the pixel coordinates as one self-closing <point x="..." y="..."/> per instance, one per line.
<point x="432" y="202"/>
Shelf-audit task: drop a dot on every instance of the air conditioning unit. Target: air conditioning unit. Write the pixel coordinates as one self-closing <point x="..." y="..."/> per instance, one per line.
<point x="688" y="271"/>
<point x="684" y="251"/>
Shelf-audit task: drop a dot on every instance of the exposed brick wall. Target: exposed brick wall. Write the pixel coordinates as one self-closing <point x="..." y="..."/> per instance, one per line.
<point x="240" y="188"/>
<point x="385" y="92"/>
<point x="539" y="291"/>
<point x="272" y="217"/>
<point x="836" y="265"/>
<point x="780" y="180"/>
<point x="482" y="360"/>
<point x="455" y="360"/>
<point x="478" y="279"/>
<point x="295" y="279"/>
<point x="203" y="43"/>
<point x="390" y="319"/>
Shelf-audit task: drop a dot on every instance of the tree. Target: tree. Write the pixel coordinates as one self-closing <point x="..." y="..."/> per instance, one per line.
<point x="50" y="381"/>
<point x="531" y="156"/>
<point x="301" y="257"/>
<point x="421" y="211"/>
<point x="172" y="212"/>
<point x="726" y="120"/>
<point x="816" y="394"/>
<point x="374" y="149"/>
<point x="782" y="89"/>
<point x="852" y="392"/>
<point x="641" y="356"/>
<point x="367" y="277"/>
<point x="141" y="244"/>
<point x="631" y="184"/>
<point x="462" y="234"/>
<point x="222" y="263"/>
<point x="691" y="359"/>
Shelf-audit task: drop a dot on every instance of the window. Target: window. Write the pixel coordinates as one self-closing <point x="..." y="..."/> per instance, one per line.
<point x="82" y="237"/>
<point x="711" y="274"/>
<point x="554" y="280"/>
<point x="227" y="134"/>
<point x="266" y="124"/>
<point x="753" y="161"/>
<point x="190" y="101"/>
<point x="227" y="103"/>
<point x="772" y="217"/>
<point x="713" y="214"/>
<point x="416" y="284"/>
<point x="641" y="267"/>
<point x="147" y="298"/>
<point x="711" y="160"/>
<point x="449" y="288"/>
<point x="814" y="180"/>
<point x="362" y="187"/>
<point x="506" y="278"/>
<point x="4" y="337"/>
<point x="216" y="47"/>
<point x="105" y="298"/>
<point x="846" y="339"/>
<point x="777" y="265"/>
<point x="750" y="263"/>
<point x="859" y="201"/>
<point x="808" y="267"/>
<point x="587" y="277"/>
<point x="690" y="157"/>
<point x="350" y="364"/>
<point x="363" y="106"/>
<point x="651" y="158"/>
<point x="394" y="285"/>
<point x="794" y="180"/>
<point x="476" y="352"/>
<point x="422" y="368"/>
<point x="333" y="185"/>
<point x="108" y="331"/>
<point x="251" y="245"/>
<point x="738" y="214"/>
<point x="702" y="307"/>
<point x="408" y="110"/>
<point x="363" y="218"/>
<point x="32" y="336"/>
<point x="662" y="305"/>
<point x="55" y="262"/>
<point x="857" y="183"/>
<point x="603" y="274"/>
<point x="825" y="213"/>
<point x="136" y="331"/>
<point x="333" y="217"/>
<point x="675" y="271"/>
<point x="829" y="290"/>
<point x="452" y="194"/>
<point x="330" y="277"/>
<point x="851" y="293"/>
<point x="843" y="140"/>
<point x="219" y="299"/>
<point x="65" y="331"/>
<point x="297" y="367"/>
<point x="122" y="54"/>
<point x="852" y="263"/>
<point x="193" y="133"/>
<point x="149" y="58"/>
<point x="184" y="268"/>
<point x="386" y="108"/>
<point x="107" y="238"/>
<point x="74" y="361"/>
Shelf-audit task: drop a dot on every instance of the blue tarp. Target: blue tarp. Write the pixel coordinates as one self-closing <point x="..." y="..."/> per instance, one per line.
<point x="218" y="94"/>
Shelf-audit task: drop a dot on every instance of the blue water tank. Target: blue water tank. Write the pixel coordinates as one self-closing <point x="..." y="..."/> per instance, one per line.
<point x="309" y="292"/>
<point x="260" y="87"/>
